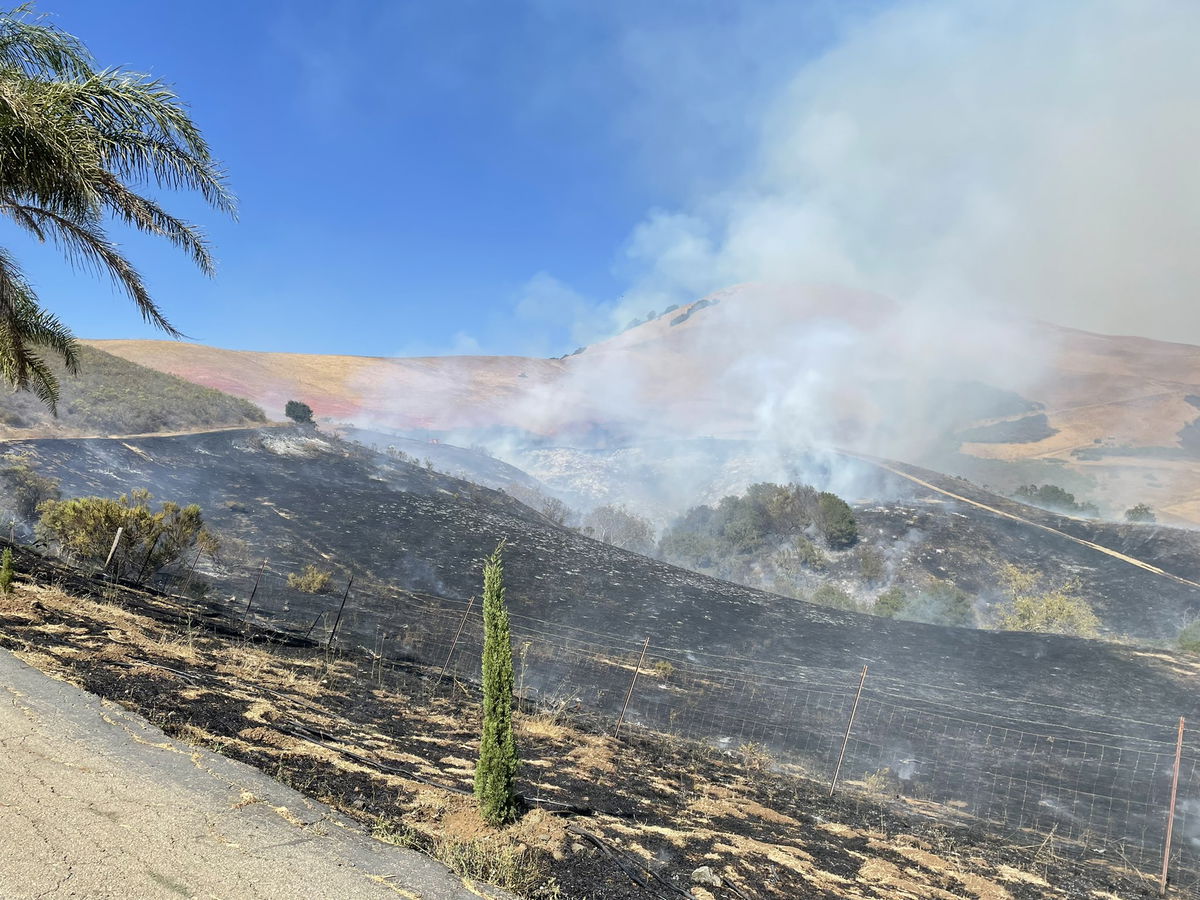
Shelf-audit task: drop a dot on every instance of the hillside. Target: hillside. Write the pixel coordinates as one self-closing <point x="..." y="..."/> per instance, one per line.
<point x="1029" y="732"/>
<point x="111" y="395"/>
<point x="1108" y="416"/>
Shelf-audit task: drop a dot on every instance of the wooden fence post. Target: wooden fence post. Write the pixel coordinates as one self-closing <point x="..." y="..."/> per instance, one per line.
<point x="1162" y="881"/>
<point x="112" y="550"/>
<point x="637" y="671"/>
<point x="849" y="725"/>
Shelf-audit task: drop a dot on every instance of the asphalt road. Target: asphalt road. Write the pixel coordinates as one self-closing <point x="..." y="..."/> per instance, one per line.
<point x="97" y="803"/>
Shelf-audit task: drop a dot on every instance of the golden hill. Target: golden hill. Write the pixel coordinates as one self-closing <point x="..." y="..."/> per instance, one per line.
<point x="798" y="366"/>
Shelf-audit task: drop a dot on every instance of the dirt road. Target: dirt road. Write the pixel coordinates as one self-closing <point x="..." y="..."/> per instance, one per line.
<point x="1100" y="548"/>
<point x="97" y="803"/>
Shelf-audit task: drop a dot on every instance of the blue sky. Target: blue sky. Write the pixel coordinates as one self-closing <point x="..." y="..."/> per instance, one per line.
<point x="432" y="177"/>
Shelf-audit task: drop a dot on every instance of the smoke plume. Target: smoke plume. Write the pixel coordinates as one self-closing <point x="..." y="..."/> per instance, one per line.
<point x="1038" y="157"/>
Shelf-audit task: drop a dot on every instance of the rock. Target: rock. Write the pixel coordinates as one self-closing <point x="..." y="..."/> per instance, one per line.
<point x="706" y="876"/>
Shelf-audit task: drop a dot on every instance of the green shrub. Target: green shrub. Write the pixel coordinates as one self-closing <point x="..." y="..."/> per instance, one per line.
<point x="496" y="771"/>
<point x="724" y="539"/>
<point x="1189" y="638"/>
<point x="691" y="549"/>
<point x="871" y="565"/>
<point x="311" y="581"/>
<point x="618" y="526"/>
<point x="1140" y="513"/>
<point x="86" y="526"/>
<point x="809" y="554"/>
<point x="1054" y="498"/>
<point x="27" y="487"/>
<point x="940" y="603"/>
<point x="1031" y="606"/>
<point x="663" y="668"/>
<point x="739" y="525"/>
<point x="890" y="603"/>
<point x="6" y="572"/>
<point x="833" y="596"/>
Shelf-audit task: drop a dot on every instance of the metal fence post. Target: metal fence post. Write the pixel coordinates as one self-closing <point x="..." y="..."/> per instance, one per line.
<point x="454" y="643"/>
<point x="637" y="671"/>
<point x="149" y="553"/>
<point x="1162" y="881"/>
<point x="254" y="590"/>
<point x="338" y="620"/>
<point x="187" y="584"/>
<point x="849" y="725"/>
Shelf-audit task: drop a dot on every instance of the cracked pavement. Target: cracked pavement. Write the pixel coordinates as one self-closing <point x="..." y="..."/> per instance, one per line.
<point x="96" y="803"/>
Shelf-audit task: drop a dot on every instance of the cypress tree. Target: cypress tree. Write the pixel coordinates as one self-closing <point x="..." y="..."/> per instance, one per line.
<point x="495" y="774"/>
<point x="6" y="572"/>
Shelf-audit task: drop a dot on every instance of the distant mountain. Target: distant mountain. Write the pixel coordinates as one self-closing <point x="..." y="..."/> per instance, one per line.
<point x="1000" y="400"/>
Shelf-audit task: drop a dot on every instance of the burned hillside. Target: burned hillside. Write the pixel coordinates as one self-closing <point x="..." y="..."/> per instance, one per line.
<point x="1025" y="730"/>
<point x="294" y="497"/>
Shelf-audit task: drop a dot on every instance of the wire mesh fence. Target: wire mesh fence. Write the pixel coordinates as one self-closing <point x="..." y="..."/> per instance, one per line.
<point x="1092" y="784"/>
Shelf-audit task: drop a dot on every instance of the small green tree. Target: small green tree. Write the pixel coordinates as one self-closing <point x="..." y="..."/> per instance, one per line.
<point x="835" y="519"/>
<point x="6" y="572"/>
<point x="496" y="772"/>
<point x="300" y="413"/>
<point x="1140" y="513"/>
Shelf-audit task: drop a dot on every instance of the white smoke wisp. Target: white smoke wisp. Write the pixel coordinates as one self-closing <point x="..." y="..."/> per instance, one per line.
<point x="1034" y="156"/>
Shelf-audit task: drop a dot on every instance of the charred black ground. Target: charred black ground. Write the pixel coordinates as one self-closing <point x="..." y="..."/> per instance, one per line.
<point x="392" y="747"/>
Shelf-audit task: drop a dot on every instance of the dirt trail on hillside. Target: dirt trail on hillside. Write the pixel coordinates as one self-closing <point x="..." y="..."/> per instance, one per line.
<point x="1108" y="551"/>
<point x="210" y="429"/>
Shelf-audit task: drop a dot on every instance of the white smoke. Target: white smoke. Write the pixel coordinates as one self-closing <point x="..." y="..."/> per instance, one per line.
<point x="957" y="168"/>
<point x="1036" y="156"/>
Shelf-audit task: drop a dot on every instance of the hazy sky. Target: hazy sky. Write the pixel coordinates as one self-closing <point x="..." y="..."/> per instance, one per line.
<point x="420" y="177"/>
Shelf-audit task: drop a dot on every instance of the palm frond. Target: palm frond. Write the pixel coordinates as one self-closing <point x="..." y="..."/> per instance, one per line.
<point x="77" y="145"/>
<point x="134" y="154"/>
<point x="86" y="242"/>
<point x="24" y="328"/>
<point x="40" y="49"/>
<point x="144" y="214"/>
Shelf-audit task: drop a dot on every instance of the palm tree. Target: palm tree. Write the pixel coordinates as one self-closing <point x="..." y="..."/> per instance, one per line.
<point x="78" y="147"/>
